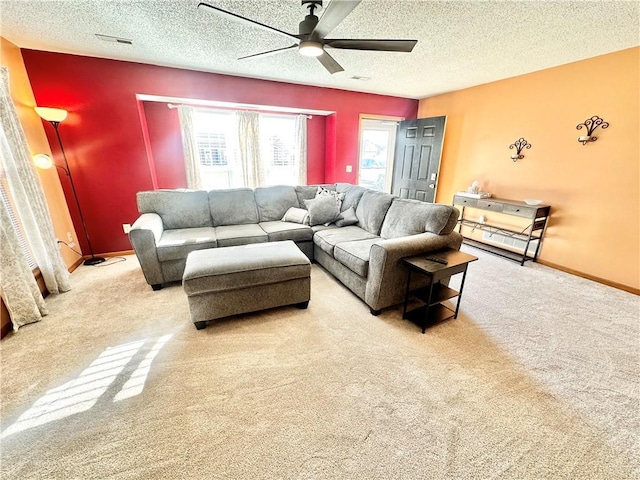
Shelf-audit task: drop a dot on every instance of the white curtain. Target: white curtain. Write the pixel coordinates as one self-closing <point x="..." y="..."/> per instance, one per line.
<point x="301" y="148"/>
<point x="24" y="304"/>
<point x="249" y="139"/>
<point x="190" y="147"/>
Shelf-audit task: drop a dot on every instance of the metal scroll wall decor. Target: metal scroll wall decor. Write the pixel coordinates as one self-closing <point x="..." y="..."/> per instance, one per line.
<point x="591" y="124"/>
<point x="519" y="145"/>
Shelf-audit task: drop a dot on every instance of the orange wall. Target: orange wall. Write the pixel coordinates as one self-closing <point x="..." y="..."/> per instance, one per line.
<point x="24" y="101"/>
<point x="593" y="189"/>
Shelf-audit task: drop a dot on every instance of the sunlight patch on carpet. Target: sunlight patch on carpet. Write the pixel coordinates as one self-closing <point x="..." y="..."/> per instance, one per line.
<point x="82" y="393"/>
<point x="135" y="384"/>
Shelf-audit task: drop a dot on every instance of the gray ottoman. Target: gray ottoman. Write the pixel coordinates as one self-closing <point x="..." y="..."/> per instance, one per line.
<point x="225" y="281"/>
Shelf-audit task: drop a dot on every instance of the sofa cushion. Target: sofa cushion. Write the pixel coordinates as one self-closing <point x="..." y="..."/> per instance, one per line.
<point x="355" y="255"/>
<point x="308" y="192"/>
<point x="352" y="194"/>
<point x="319" y="228"/>
<point x="278" y="231"/>
<point x="232" y="235"/>
<point x="177" y="208"/>
<point x="371" y="210"/>
<point x="176" y="244"/>
<point x="273" y="202"/>
<point x="410" y="217"/>
<point x="329" y="238"/>
<point x="451" y="223"/>
<point x="233" y="207"/>
<point x="324" y="209"/>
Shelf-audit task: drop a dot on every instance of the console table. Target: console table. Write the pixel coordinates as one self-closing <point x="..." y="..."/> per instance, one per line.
<point x="537" y="214"/>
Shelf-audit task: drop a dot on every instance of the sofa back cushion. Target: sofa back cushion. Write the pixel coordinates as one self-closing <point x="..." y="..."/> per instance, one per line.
<point x="410" y="217"/>
<point x="352" y="195"/>
<point x="371" y="210"/>
<point x="177" y="208"/>
<point x="233" y="207"/>
<point x="273" y="202"/>
<point x="308" y="192"/>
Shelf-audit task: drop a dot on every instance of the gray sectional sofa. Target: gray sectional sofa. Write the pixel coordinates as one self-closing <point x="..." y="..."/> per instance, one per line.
<point x="365" y="256"/>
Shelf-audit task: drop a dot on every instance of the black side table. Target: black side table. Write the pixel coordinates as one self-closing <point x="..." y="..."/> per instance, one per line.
<point x="433" y="310"/>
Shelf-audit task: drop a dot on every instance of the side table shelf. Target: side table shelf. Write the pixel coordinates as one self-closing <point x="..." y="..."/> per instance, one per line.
<point x="538" y="216"/>
<point x="432" y="310"/>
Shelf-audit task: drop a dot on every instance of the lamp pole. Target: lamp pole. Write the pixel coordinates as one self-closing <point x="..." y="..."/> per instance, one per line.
<point x="93" y="260"/>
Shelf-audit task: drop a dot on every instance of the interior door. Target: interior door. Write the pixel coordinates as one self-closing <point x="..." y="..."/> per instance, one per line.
<point x="417" y="158"/>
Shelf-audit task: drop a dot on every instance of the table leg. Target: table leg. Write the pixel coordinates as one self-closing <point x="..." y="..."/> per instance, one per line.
<point x="464" y="275"/>
<point x="426" y="310"/>
<point x="406" y="296"/>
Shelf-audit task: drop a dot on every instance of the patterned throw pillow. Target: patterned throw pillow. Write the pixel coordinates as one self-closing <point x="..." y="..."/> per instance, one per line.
<point x="325" y="192"/>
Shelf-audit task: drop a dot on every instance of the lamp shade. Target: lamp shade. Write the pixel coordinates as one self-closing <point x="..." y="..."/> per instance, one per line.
<point x="51" y="114"/>
<point x="310" y="49"/>
<point x="42" y="161"/>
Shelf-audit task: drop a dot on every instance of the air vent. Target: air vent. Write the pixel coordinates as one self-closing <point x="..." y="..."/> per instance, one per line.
<point x="108" y="38"/>
<point x="362" y="79"/>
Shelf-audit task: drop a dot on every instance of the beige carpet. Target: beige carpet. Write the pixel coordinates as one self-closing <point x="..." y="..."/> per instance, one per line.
<point x="537" y="378"/>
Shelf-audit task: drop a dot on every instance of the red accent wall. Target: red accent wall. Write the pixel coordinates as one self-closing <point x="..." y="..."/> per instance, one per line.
<point x="166" y="144"/>
<point x="112" y="157"/>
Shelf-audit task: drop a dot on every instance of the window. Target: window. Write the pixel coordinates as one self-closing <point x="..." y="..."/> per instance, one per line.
<point x="5" y="197"/>
<point x="280" y="156"/>
<point x="216" y="133"/>
<point x="278" y="149"/>
<point x="377" y="146"/>
<point x="217" y="142"/>
<point x="212" y="149"/>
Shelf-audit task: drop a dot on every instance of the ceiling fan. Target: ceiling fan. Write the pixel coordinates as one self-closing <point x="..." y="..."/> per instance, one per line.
<point x="311" y="41"/>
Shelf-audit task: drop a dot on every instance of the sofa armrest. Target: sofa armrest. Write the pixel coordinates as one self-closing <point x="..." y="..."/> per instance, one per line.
<point x="387" y="278"/>
<point x="144" y="235"/>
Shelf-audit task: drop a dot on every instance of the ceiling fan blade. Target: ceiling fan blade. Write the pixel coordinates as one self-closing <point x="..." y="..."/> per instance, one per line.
<point x="233" y="16"/>
<point x="378" y="45"/>
<point x="270" y="52"/>
<point x="329" y="63"/>
<point x="333" y="15"/>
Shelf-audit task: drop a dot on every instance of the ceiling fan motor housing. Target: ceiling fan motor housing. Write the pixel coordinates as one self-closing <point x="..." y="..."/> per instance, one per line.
<point x="310" y="21"/>
<point x="307" y="25"/>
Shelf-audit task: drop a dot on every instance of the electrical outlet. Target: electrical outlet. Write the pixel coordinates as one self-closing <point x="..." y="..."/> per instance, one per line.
<point x="349" y="168"/>
<point x="482" y="220"/>
<point x="126" y="227"/>
<point x="72" y="244"/>
<point x="69" y="237"/>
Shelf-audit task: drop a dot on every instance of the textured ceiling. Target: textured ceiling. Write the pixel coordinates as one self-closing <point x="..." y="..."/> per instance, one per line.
<point x="460" y="44"/>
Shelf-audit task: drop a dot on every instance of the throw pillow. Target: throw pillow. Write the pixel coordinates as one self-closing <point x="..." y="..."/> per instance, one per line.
<point x="296" y="215"/>
<point x="325" y="192"/>
<point x="348" y="217"/>
<point x="322" y="210"/>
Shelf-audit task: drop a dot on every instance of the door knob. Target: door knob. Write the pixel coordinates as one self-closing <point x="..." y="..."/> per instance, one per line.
<point x="432" y="186"/>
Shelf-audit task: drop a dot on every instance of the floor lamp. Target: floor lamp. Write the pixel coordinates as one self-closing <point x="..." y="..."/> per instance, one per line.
<point x="55" y="116"/>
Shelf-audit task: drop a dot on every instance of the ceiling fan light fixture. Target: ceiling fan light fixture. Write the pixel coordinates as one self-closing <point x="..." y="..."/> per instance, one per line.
<point x="310" y="49"/>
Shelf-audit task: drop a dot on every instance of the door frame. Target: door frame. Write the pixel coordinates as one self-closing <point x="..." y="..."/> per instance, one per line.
<point x="390" y="165"/>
